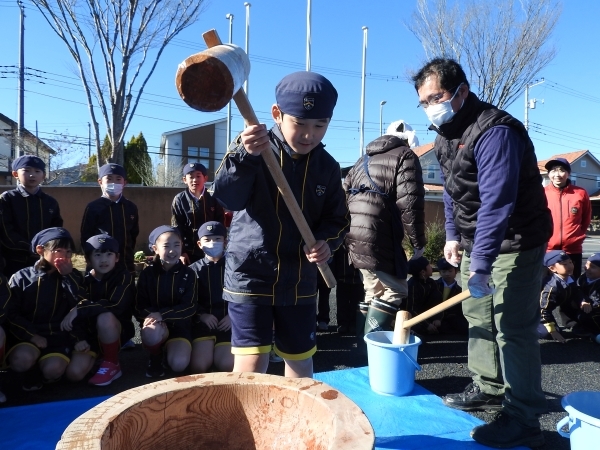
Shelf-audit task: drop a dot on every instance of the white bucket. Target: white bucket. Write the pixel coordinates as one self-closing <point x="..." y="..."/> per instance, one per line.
<point x="583" y="419"/>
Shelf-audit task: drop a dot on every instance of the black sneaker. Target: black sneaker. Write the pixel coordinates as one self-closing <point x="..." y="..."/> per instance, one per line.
<point x="155" y="369"/>
<point x="32" y="380"/>
<point x="472" y="399"/>
<point x="506" y="432"/>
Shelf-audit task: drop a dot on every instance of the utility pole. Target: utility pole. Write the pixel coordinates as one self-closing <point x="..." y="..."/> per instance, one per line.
<point x="362" y="95"/>
<point x="230" y="18"/>
<point x="247" y="5"/>
<point x="527" y="86"/>
<point x="308" y="31"/>
<point x="37" y="140"/>
<point x="21" y="114"/>
<point x="89" y="141"/>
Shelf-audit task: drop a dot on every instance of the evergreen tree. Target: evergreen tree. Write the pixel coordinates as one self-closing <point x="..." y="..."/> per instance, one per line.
<point x="137" y="161"/>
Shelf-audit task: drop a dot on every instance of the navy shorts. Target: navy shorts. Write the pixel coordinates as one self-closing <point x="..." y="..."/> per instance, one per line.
<point x="58" y="345"/>
<point x="252" y="330"/>
<point x="201" y="332"/>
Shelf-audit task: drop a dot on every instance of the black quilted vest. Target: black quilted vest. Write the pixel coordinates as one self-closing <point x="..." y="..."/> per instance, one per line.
<point x="530" y="224"/>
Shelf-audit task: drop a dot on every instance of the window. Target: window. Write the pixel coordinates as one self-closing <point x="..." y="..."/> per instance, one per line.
<point x="573" y="179"/>
<point x="583" y="163"/>
<point x="431" y="172"/>
<point x="200" y="155"/>
<point x="598" y="182"/>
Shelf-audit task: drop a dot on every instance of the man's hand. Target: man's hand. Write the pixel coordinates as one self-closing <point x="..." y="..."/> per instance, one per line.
<point x="479" y="285"/>
<point x="319" y="253"/>
<point x="39" y="341"/>
<point x="209" y="320"/>
<point x="225" y="324"/>
<point x="417" y="252"/>
<point x="451" y="252"/>
<point x="67" y="322"/>
<point x="558" y="337"/>
<point x="256" y="139"/>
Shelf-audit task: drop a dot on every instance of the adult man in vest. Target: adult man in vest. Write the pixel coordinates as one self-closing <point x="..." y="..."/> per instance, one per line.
<point x="496" y="211"/>
<point x="571" y="212"/>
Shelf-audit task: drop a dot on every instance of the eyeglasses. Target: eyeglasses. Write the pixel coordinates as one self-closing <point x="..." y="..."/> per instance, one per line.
<point x="435" y="99"/>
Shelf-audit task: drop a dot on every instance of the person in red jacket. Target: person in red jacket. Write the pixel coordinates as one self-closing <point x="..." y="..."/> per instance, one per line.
<point x="571" y="212"/>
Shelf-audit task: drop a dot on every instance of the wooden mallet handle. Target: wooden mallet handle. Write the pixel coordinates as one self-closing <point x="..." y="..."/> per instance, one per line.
<point x="404" y="323"/>
<point x="243" y="104"/>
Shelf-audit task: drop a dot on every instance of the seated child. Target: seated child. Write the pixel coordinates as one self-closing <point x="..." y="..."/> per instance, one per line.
<point x="42" y="296"/>
<point x="193" y="207"/>
<point x="589" y="285"/>
<point x="453" y="320"/>
<point x="102" y="320"/>
<point x="423" y="294"/>
<point x="4" y="299"/>
<point x="211" y="330"/>
<point x="165" y="303"/>
<point x="25" y="211"/>
<point x="560" y="290"/>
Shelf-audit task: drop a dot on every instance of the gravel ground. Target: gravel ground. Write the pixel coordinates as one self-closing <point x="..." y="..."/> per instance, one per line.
<point x="574" y="366"/>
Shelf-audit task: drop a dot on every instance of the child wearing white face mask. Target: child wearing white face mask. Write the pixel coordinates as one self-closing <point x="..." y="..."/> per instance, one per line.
<point x="113" y="214"/>
<point x="211" y="330"/>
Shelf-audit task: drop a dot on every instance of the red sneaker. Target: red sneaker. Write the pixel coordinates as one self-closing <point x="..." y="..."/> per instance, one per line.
<point x="107" y="373"/>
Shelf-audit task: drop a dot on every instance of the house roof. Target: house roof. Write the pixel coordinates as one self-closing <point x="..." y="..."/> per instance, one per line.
<point x="571" y="157"/>
<point x="27" y="135"/>
<point x="422" y="149"/>
<point x="181" y="130"/>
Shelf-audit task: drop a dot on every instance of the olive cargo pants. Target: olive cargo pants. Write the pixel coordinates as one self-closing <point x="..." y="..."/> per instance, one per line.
<point x="504" y="351"/>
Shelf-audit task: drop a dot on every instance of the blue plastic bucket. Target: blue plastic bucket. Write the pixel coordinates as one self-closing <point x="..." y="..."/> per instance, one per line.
<point x="583" y="419"/>
<point x="391" y="367"/>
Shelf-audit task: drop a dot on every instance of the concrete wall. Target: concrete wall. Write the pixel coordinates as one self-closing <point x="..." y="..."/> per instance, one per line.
<point x="154" y="206"/>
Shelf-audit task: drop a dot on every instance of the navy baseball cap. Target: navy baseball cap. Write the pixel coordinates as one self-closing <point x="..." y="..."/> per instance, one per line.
<point x="28" y="161"/>
<point x="102" y="242"/>
<point x="558" y="162"/>
<point x="443" y="264"/>
<point x="154" y="234"/>
<point x="112" y="169"/>
<point x="416" y="265"/>
<point x="595" y="259"/>
<point x="306" y="95"/>
<point x="555" y="256"/>
<point x="192" y="167"/>
<point x="212" y="228"/>
<point x="47" y="235"/>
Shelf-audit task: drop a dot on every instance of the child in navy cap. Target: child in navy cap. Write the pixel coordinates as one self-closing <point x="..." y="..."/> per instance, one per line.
<point x="453" y="320"/>
<point x="423" y="294"/>
<point x="559" y="290"/>
<point x="270" y="275"/>
<point x="193" y="207"/>
<point x="589" y="284"/>
<point x="42" y="296"/>
<point x="113" y="214"/>
<point x="25" y="211"/>
<point x="211" y="330"/>
<point x="102" y="320"/>
<point x="165" y="303"/>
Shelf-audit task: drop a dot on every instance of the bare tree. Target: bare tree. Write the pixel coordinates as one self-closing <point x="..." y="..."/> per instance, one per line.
<point x="110" y="41"/>
<point x="501" y="44"/>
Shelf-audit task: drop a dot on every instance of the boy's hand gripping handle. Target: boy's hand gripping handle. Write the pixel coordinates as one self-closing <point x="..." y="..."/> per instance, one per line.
<point x="211" y="38"/>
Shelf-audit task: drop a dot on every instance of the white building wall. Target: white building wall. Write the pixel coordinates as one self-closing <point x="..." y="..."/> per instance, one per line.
<point x="221" y="143"/>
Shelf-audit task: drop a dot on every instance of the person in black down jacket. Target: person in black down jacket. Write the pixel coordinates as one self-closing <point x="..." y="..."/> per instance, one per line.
<point x="386" y="198"/>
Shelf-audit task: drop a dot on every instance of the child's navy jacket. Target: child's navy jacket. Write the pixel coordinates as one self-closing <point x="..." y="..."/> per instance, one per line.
<point x="265" y="262"/>
<point x="210" y="287"/>
<point x="114" y="292"/>
<point x="558" y="292"/>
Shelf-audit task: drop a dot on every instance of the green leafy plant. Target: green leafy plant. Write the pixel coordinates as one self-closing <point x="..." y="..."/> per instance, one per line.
<point x="436" y="239"/>
<point x="139" y="257"/>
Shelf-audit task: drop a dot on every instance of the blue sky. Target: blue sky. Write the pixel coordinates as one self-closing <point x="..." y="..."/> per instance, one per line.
<point x="566" y="121"/>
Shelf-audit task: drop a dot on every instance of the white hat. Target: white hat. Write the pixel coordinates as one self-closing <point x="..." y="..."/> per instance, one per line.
<point x="403" y="131"/>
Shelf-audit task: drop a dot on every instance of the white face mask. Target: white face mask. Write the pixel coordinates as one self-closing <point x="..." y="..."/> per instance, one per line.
<point x="442" y="112"/>
<point x="213" y="249"/>
<point x="113" y="188"/>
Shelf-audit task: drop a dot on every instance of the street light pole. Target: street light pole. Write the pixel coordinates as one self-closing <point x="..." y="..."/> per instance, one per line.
<point x="247" y="5"/>
<point x="308" y="26"/>
<point x="383" y="102"/>
<point x="362" y="96"/>
<point x="527" y="86"/>
<point x="230" y="18"/>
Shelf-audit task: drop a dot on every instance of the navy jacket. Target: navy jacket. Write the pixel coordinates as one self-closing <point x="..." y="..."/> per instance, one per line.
<point x="118" y="219"/>
<point x="189" y="213"/>
<point x="114" y="293"/>
<point x="265" y="262"/>
<point x="454" y="290"/>
<point x="558" y="292"/>
<point x="210" y="287"/>
<point x="173" y="294"/>
<point x="40" y="301"/>
<point x="22" y="216"/>
<point x="5" y="297"/>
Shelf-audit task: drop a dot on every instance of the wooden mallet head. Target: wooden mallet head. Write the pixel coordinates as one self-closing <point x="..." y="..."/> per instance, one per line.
<point x="207" y="80"/>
